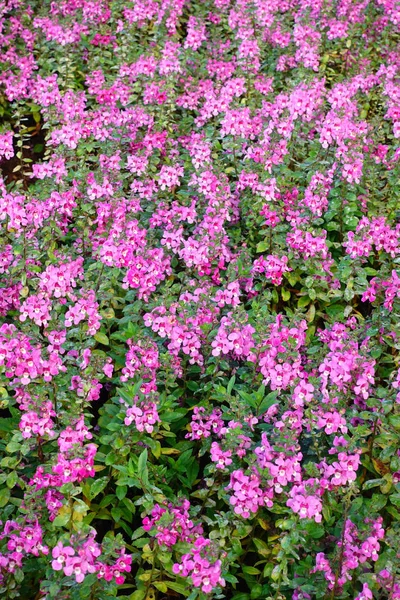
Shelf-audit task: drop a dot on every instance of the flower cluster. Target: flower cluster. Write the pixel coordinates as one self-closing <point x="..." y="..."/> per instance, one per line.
<point x="23" y="539"/>
<point x="79" y="559"/>
<point x="355" y="549"/>
<point x="247" y="494"/>
<point x="74" y="462"/>
<point x="196" y="564"/>
<point x="172" y="524"/>
<point x="199" y="292"/>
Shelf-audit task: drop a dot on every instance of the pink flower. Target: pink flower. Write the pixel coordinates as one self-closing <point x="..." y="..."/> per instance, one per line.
<point x="6" y="145"/>
<point x="108" y="368"/>
<point x="78" y="567"/>
<point x="60" y="554"/>
<point x="366" y="593"/>
<point x="222" y="459"/>
<point x="247" y="494"/>
<point x="307" y="507"/>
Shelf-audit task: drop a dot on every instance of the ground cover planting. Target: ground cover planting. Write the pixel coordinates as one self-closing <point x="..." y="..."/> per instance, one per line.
<point x="199" y="299"/>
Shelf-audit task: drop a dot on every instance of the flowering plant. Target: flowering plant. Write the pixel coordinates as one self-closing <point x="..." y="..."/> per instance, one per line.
<point x="199" y="299"/>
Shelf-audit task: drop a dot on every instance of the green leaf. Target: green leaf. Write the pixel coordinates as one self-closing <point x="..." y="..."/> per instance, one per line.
<point x="143" y="472"/>
<point x="138" y="595"/>
<point x="101" y="338"/>
<point x="116" y="514"/>
<point x="8" y="424"/>
<point x="256" y="591"/>
<point x="377" y="502"/>
<point x="310" y="314"/>
<point x="155" y="448"/>
<point x="303" y="301"/>
<point x="63" y="517"/>
<point x="262" y="246"/>
<point x="395" y="499"/>
<point x="184" y="461"/>
<point x="12" y="479"/>
<point x="177" y="587"/>
<point x="335" y="311"/>
<point x="292" y="278"/>
<point x="392" y="511"/>
<point x="193" y="386"/>
<point x="4" y="497"/>
<point x="394" y="420"/>
<point x="373" y="483"/>
<point x="121" y="491"/>
<point x="267" y="402"/>
<point x="13" y="447"/>
<point x="261" y="546"/>
<point x="98" y="486"/>
<point x="19" y="575"/>
<point x="251" y="571"/>
<point x="314" y="530"/>
<point x="129" y="505"/>
<point x="249" y="398"/>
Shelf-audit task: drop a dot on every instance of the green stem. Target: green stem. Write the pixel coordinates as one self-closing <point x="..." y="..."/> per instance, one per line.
<point x="96" y="289"/>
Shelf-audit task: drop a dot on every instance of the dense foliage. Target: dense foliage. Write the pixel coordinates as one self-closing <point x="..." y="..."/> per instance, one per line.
<point x="199" y="303"/>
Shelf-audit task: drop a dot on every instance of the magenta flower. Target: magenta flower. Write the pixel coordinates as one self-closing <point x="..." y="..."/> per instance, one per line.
<point x="60" y="555"/>
<point x="366" y="593"/>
